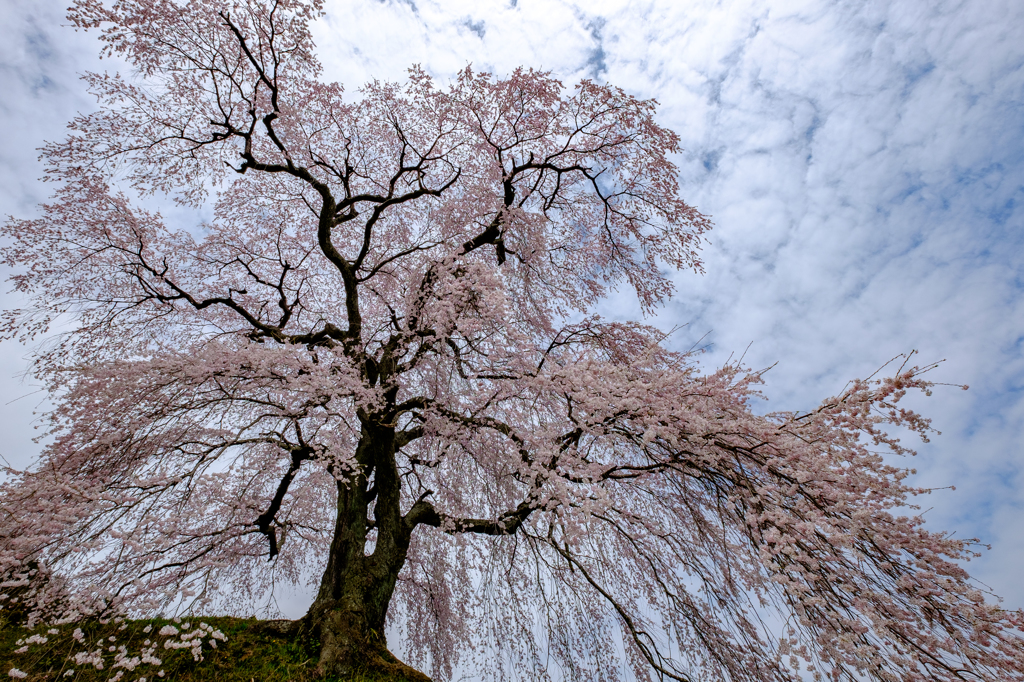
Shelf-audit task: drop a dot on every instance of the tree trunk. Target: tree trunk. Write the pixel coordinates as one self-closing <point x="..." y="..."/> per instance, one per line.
<point x="350" y="609"/>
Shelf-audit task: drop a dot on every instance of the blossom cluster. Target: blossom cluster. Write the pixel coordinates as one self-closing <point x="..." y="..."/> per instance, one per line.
<point x="108" y="653"/>
<point x="192" y="640"/>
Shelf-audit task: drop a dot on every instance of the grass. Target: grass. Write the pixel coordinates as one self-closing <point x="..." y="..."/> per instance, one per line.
<point x="246" y="655"/>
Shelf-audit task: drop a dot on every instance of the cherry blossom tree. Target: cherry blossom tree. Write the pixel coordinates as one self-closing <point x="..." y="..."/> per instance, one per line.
<point x="374" y="363"/>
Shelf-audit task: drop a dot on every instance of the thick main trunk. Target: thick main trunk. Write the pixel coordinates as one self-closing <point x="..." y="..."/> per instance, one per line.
<point x="349" y="644"/>
<point x="349" y="613"/>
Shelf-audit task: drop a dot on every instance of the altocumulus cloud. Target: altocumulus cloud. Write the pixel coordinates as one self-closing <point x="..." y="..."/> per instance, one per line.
<point x="863" y="162"/>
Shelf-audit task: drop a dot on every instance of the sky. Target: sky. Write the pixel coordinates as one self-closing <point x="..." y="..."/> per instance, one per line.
<point x="863" y="163"/>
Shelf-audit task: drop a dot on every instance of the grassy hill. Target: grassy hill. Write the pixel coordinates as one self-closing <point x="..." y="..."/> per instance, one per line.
<point x="223" y="649"/>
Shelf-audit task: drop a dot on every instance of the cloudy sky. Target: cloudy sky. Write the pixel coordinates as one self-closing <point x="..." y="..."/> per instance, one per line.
<point x="863" y="163"/>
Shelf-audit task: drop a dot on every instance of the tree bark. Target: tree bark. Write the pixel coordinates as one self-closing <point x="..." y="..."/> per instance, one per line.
<point x="350" y="610"/>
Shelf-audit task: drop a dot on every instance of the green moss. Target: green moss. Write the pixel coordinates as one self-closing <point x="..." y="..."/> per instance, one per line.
<point x="248" y="655"/>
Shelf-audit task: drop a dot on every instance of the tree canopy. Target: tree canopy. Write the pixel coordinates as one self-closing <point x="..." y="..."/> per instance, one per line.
<point x="375" y="369"/>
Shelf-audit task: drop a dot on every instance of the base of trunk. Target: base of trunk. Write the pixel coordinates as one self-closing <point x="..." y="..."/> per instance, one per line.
<point x="346" y="650"/>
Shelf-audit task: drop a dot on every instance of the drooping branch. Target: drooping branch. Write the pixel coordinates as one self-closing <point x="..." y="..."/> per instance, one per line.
<point x="299" y="454"/>
<point x="641" y="638"/>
